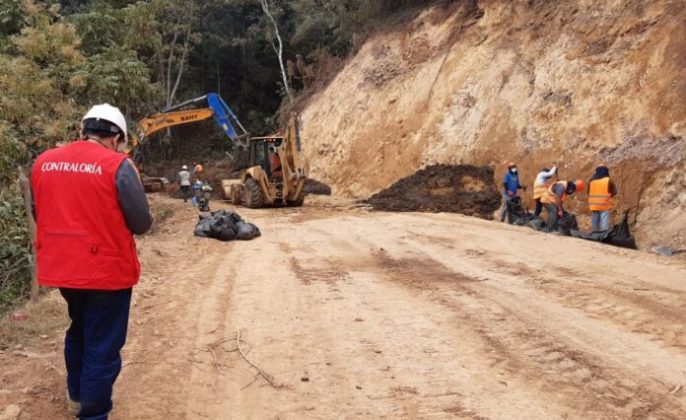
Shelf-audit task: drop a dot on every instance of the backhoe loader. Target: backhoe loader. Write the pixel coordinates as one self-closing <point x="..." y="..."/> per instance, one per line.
<point x="277" y="173"/>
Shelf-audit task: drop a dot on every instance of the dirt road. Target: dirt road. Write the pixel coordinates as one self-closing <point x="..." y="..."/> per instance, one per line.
<point x="356" y="314"/>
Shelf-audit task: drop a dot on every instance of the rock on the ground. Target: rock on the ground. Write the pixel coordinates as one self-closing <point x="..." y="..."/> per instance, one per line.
<point x="11" y="412"/>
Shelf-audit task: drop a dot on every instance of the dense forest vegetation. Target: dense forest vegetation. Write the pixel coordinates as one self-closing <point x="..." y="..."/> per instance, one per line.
<point x="59" y="57"/>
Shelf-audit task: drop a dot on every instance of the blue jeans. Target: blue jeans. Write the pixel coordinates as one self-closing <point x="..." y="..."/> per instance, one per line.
<point x="600" y="221"/>
<point x="99" y="320"/>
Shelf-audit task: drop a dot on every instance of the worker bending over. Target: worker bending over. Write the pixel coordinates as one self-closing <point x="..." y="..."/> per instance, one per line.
<point x="89" y="202"/>
<point x="555" y="196"/>
<point x="601" y="189"/>
<point x="541" y="185"/>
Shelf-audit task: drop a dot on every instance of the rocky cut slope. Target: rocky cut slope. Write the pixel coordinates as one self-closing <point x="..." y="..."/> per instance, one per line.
<point x="576" y="82"/>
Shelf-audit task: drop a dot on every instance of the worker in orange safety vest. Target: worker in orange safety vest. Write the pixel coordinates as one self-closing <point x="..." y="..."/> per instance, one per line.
<point x="601" y="189"/>
<point x="541" y="185"/>
<point x="556" y="195"/>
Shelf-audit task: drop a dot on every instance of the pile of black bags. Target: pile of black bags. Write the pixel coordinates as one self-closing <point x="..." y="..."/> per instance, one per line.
<point x="620" y="235"/>
<point x="225" y="226"/>
<point x="516" y="214"/>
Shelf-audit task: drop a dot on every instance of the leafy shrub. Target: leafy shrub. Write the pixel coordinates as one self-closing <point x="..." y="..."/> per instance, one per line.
<point x="15" y="251"/>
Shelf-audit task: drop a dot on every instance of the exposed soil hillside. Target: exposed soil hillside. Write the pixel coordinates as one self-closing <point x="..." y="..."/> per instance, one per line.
<point x="573" y="82"/>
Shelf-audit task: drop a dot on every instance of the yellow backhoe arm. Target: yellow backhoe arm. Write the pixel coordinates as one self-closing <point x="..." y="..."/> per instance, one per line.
<point x="156" y="122"/>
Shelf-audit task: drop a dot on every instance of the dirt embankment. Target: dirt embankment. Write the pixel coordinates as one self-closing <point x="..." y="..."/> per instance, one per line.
<point x="537" y="82"/>
<point x="462" y="189"/>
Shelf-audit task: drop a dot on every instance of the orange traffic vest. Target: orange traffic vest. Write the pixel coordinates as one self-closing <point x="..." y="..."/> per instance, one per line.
<point x="599" y="197"/>
<point x="549" y="196"/>
<point x="540" y="189"/>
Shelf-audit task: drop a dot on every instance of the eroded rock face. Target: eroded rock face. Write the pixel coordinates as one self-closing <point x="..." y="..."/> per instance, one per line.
<point x="573" y="82"/>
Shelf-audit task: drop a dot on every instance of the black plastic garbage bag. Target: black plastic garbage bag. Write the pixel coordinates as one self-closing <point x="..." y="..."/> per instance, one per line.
<point x="203" y="228"/>
<point x="516" y="213"/>
<point x="246" y="231"/>
<point x="226" y="235"/>
<point x="620" y="235"/>
<point x="537" y="224"/>
<point x="566" y="224"/>
<point x="591" y="236"/>
<point x="225" y="226"/>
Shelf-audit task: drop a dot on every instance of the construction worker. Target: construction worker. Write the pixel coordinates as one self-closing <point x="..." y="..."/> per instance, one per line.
<point x="89" y="202"/>
<point x="541" y="185"/>
<point x="184" y="179"/>
<point x="198" y="169"/>
<point x="512" y="185"/>
<point x="601" y="189"/>
<point x="555" y="196"/>
<point x="275" y="163"/>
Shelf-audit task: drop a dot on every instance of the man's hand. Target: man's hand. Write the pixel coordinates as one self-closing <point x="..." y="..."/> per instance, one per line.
<point x="510" y="194"/>
<point x="560" y="213"/>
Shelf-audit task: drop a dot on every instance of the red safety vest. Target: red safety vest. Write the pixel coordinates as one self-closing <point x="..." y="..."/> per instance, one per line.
<point x="82" y="240"/>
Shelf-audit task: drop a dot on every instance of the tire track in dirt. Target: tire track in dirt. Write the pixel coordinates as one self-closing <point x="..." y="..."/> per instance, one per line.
<point x="158" y="365"/>
<point x="398" y="341"/>
<point x="662" y="320"/>
<point x="589" y="384"/>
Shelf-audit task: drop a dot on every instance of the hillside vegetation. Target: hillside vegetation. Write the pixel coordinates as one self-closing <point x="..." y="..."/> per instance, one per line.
<point x="59" y="57"/>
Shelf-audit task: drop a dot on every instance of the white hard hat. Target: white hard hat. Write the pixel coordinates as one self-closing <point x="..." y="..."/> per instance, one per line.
<point x="108" y="113"/>
<point x="184" y="167"/>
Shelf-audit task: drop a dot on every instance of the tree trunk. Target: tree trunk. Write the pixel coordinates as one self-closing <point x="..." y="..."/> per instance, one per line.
<point x="26" y="191"/>
<point x="182" y="63"/>
<point x="279" y="51"/>
<point x="170" y="63"/>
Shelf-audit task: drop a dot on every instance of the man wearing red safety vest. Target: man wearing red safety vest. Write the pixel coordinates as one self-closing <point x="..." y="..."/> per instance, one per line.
<point x="89" y="202"/>
<point x="601" y="189"/>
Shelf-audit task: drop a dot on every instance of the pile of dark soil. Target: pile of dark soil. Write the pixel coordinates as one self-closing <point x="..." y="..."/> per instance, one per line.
<point x="312" y="186"/>
<point x="464" y="189"/>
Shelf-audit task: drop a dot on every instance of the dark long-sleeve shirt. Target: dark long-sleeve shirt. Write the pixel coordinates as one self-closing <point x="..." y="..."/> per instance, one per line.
<point x="132" y="199"/>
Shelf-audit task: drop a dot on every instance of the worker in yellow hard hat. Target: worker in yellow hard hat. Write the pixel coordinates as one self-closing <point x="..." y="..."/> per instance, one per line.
<point x="556" y="195"/>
